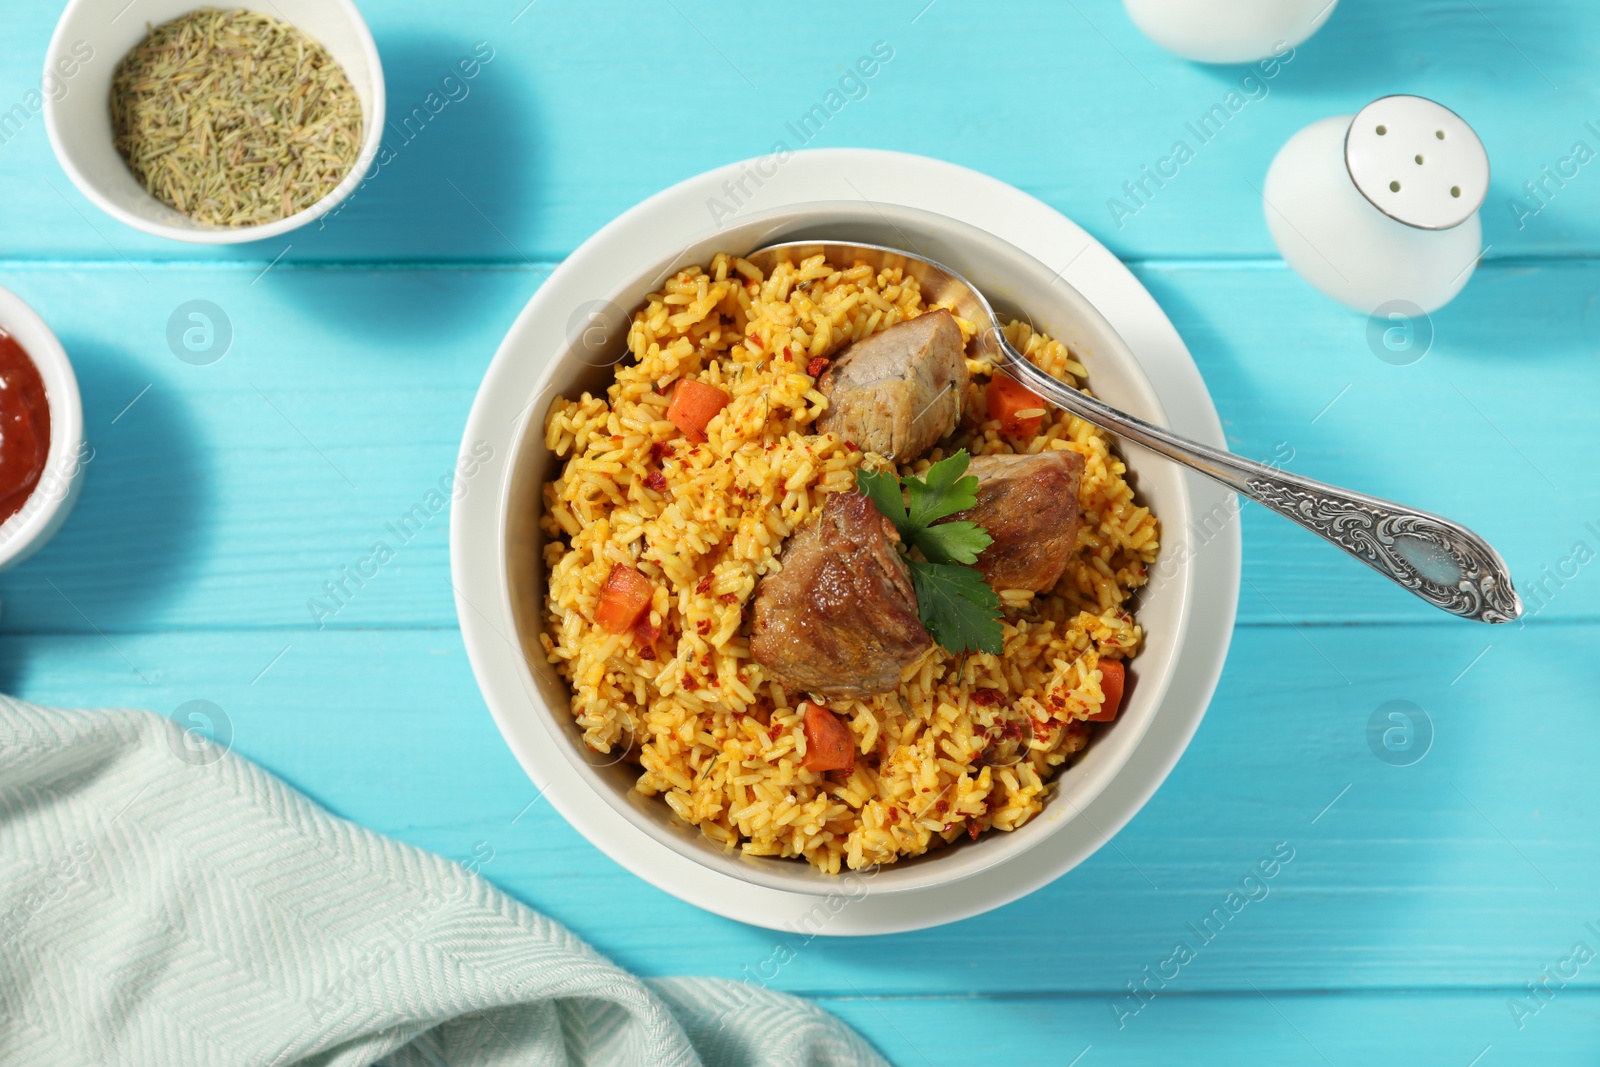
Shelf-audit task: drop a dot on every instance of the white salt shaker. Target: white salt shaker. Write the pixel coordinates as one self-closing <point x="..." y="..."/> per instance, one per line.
<point x="1228" y="31"/>
<point x="1381" y="207"/>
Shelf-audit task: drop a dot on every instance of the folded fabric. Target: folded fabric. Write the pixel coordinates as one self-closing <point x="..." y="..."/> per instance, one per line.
<point x="165" y="902"/>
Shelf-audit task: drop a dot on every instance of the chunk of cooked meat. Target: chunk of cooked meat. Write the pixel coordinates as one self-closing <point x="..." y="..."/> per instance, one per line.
<point x="897" y="392"/>
<point x="840" y="617"/>
<point x="1029" y="505"/>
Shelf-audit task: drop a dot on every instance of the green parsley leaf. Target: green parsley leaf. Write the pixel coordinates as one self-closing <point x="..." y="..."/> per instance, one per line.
<point x="883" y="489"/>
<point x="942" y="491"/>
<point x="953" y="542"/>
<point x="956" y="605"/>
<point x="958" y="608"/>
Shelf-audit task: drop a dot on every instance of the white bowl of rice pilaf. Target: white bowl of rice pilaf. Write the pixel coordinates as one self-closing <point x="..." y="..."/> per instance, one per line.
<point x="715" y="773"/>
<point x="89" y="42"/>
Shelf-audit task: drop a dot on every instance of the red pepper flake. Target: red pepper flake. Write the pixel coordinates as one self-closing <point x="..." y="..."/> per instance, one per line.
<point x="703" y="626"/>
<point x="776" y="732"/>
<point x="655" y="480"/>
<point x="714" y="683"/>
<point x="942" y="807"/>
<point x="660" y="450"/>
<point x="754" y="341"/>
<point x="729" y="598"/>
<point x="1011" y="731"/>
<point x="985" y="697"/>
<point x="972" y="830"/>
<point x="703" y="585"/>
<point x="851" y="445"/>
<point x="817" y="365"/>
<point x="645" y="635"/>
<point x="893" y="818"/>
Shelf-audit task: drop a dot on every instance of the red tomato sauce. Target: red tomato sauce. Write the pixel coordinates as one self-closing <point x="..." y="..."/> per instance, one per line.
<point x="24" y="426"/>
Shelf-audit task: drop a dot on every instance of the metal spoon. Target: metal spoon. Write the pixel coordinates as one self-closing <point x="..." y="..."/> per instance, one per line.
<point x="1440" y="561"/>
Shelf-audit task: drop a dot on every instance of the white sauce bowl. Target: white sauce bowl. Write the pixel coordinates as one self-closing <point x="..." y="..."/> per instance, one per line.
<point x="47" y="507"/>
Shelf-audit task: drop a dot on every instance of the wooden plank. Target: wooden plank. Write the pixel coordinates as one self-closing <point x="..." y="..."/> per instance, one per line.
<point x="1477" y="429"/>
<point x="222" y="498"/>
<point x="1393" y="1026"/>
<point x="1473" y="867"/>
<point x="228" y="494"/>
<point x="560" y="133"/>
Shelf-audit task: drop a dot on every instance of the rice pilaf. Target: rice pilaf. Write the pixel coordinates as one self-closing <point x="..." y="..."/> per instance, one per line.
<point x="966" y="743"/>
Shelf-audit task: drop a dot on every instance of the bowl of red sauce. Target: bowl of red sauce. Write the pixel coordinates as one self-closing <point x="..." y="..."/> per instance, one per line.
<point x="42" y="451"/>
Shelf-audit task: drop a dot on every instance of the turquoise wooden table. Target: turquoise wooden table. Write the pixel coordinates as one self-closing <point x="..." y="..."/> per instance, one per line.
<point x="1442" y="911"/>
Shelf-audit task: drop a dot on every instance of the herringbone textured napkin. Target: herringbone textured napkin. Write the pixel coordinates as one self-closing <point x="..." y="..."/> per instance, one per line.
<point x="159" y="909"/>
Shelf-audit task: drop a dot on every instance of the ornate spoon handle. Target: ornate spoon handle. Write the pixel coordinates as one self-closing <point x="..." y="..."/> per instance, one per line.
<point x="1440" y="561"/>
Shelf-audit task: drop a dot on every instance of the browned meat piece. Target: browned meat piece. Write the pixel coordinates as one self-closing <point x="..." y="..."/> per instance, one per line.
<point x="840" y="618"/>
<point x="897" y="392"/>
<point x="1029" y="505"/>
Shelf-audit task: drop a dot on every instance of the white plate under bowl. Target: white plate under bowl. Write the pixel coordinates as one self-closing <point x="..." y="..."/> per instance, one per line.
<point x="1195" y="598"/>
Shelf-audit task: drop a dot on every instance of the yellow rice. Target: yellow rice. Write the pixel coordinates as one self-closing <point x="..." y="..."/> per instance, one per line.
<point x="966" y="744"/>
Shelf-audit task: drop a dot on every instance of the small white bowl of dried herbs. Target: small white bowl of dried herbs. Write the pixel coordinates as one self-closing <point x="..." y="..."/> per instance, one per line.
<point x="209" y="125"/>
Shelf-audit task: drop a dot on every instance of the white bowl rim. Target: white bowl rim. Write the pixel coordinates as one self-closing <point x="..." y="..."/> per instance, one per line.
<point x="371" y="142"/>
<point x="1088" y="778"/>
<point x="27" y="530"/>
<point x="891" y="177"/>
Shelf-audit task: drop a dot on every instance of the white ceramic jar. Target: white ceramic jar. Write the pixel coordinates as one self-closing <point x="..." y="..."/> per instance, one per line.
<point x="1381" y="207"/>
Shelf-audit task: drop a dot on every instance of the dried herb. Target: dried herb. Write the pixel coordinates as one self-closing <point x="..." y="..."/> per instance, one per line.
<point x="234" y="118"/>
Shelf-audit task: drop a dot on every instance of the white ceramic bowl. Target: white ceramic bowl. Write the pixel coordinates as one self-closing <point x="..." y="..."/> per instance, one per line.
<point x="1020" y="286"/>
<point x="90" y="40"/>
<point x="46" y="508"/>
<point x="1228" y="31"/>
<point x="789" y="193"/>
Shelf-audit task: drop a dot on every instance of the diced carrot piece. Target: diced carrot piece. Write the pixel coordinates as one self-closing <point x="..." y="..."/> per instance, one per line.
<point x="829" y="744"/>
<point x="693" y="406"/>
<point x="1112" y="677"/>
<point x="1006" y="397"/>
<point x="624" y="597"/>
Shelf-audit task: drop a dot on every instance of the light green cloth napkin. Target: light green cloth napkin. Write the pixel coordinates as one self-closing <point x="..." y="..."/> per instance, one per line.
<point x="168" y="904"/>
